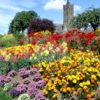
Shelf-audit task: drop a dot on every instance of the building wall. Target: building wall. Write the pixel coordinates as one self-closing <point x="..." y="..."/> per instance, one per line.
<point x="68" y="13"/>
<point x="59" y="28"/>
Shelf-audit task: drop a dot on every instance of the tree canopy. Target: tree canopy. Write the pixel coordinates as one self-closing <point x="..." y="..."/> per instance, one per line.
<point x="91" y="16"/>
<point x="37" y="25"/>
<point x="21" y="21"/>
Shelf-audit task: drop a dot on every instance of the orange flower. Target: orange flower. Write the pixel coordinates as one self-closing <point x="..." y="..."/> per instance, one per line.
<point x="98" y="82"/>
<point x="88" y="96"/>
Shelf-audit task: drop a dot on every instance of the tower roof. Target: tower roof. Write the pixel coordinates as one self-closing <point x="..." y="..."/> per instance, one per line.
<point x="68" y="1"/>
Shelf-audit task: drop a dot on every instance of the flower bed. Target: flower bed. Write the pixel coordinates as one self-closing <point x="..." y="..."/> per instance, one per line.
<point x="74" y="38"/>
<point x="24" y="81"/>
<point x="75" y="75"/>
<point x="51" y="70"/>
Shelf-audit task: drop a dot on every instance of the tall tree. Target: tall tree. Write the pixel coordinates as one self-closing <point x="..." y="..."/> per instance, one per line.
<point x="91" y="16"/>
<point x="21" y="21"/>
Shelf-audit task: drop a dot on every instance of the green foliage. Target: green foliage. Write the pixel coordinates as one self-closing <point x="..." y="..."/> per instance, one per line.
<point x="89" y="16"/>
<point x="6" y="66"/>
<point x="23" y="62"/>
<point x="3" y="67"/>
<point x="4" y="96"/>
<point x="18" y="37"/>
<point x="7" y="40"/>
<point x="97" y="32"/>
<point x="7" y="87"/>
<point x="21" y="21"/>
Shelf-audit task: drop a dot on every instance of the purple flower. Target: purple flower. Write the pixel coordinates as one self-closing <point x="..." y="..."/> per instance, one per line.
<point x="23" y="73"/>
<point x="32" y="91"/>
<point x="39" y="96"/>
<point x="33" y="87"/>
<point x="40" y="83"/>
<point x="2" y="77"/>
<point x="37" y="76"/>
<point x="2" y="83"/>
<point x="22" y="88"/>
<point x="12" y="73"/>
<point x="33" y="84"/>
<point x="14" y="92"/>
<point x="26" y="81"/>
<point x="33" y="70"/>
<point x="15" y="83"/>
<point x="7" y="79"/>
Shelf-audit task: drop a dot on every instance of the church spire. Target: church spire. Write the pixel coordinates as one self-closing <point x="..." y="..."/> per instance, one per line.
<point x="68" y="11"/>
<point x="68" y="2"/>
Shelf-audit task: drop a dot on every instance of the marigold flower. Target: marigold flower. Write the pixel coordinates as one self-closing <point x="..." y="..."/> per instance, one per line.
<point x="55" y="95"/>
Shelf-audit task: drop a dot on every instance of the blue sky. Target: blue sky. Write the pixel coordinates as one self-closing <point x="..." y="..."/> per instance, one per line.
<point x="51" y="9"/>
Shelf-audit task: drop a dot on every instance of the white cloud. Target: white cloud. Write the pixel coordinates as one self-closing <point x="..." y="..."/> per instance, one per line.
<point x="77" y="9"/>
<point x="7" y="13"/>
<point x="8" y="9"/>
<point x="54" y="4"/>
<point x="58" y="5"/>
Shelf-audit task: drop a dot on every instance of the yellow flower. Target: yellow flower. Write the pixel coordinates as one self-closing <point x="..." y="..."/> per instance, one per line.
<point x="63" y="89"/>
<point x="81" y="84"/>
<point x="73" y="89"/>
<point x="75" y="93"/>
<point x="93" y="76"/>
<point x="55" y="95"/>
<point x="55" y="90"/>
<point x="85" y="87"/>
<point x="68" y="89"/>
<point x="88" y="96"/>
<point x="49" y="88"/>
<point x="45" y="91"/>
<point x="69" y="78"/>
<point x="49" y="83"/>
<point x="63" y="61"/>
<point x="78" y="78"/>
<point x="74" y="81"/>
<point x="92" y="94"/>
<point x="43" y="63"/>
<point x="87" y="82"/>
<point x="79" y="89"/>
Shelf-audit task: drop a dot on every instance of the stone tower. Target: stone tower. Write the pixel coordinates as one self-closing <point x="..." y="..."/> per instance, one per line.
<point x="68" y="13"/>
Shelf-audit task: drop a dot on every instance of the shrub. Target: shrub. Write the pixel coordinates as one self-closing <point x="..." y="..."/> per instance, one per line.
<point x="41" y="25"/>
<point x="18" y="38"/>
<point x="7" y="87"/>
<point x="97" y="32"/>
<point x="3" y="67"/>
<point x="7" y="40"/>
<point x="4" y="96"/>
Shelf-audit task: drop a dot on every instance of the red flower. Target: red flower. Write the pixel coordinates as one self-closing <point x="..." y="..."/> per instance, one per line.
<point x="21" y="41"/>
<point x="90" y="35"/>
<point x="81" y="35"/>
<point x="34" y="42"/>
<point x="88" y="42"/>
<point x="67" y="35"/>
<point x="30" y="34"/>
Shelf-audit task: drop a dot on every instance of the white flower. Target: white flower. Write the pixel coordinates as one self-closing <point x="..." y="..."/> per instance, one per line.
<point x="24" y="96"/>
